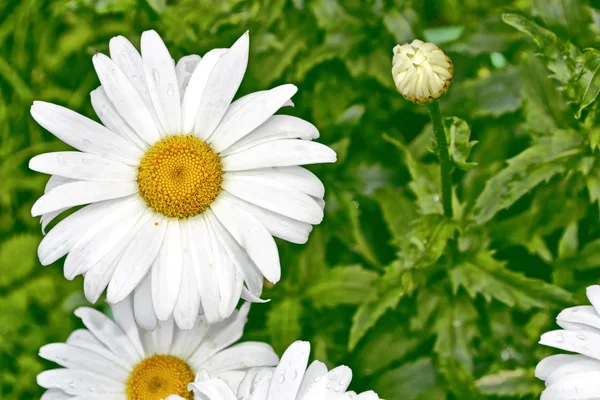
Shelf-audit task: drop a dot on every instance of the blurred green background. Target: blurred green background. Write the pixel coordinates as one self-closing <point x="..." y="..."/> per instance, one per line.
<point x="421" y="307"/>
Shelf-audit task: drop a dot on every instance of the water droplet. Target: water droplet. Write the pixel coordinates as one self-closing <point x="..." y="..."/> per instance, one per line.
<point x="576" y="309"/>
<point x="113" y="71"/>
<point x="329" y="386"/>
<point x="317" y="379"/>
<point x="170" y="90"/>
<point x="156" y="76"/>
<point x="134" y="78"/>
<point x="581" y="337"/>
<point x="123" y="52"/>
<point x="436" y="198"/>
<point x="72" y="384"/>
<point x="281" y="379"/>
<point x="337" y="389"/>
<point x="295" y="375"/>
<point x="559" y="338"/>
<point x="332" y="377"/>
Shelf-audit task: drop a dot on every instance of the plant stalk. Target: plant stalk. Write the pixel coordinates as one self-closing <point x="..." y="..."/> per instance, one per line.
<point x="445" y="165"/>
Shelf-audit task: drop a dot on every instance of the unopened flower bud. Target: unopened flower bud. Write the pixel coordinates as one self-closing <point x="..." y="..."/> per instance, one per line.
<point x="422" y="72"/>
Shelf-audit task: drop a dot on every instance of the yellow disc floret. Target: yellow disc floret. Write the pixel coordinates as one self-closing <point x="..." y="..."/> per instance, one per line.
<point x="179" y="176"/>
<point x="158" y="377"/>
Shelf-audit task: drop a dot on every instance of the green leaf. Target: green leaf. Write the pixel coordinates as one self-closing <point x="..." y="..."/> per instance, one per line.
<point x="548" y="157"/>
<point x="574" y="17"/>
<point x="426" y="241"/>
<point x="510" y="383"/>
<point x="588" y="258"/>
<point x="569" y="242"/>
<point x="157" y="5"/>
<point x="458" y="134"/>
<point x="389" y="290"/>
<point x="283" y="323"/>
<point x="407" y="382"/>
<point x="344" y="285"/>
<point x="589" y="79"/>
<point x="397" y="209"/>
<point x="458" y="378"/>
<point x="398" y="25"/>
<point x="17" y="258"/>
<point x="482" y="274"/>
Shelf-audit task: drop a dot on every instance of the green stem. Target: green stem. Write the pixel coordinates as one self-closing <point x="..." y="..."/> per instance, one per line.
<point x="445" y="165"/>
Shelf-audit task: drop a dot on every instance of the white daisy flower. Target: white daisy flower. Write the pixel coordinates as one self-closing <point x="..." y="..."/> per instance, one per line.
<point x="119" y="361"/>
<point x="290" y="380"/>
<point x="185" y="188"/>
<point x="574" y="376"/>
<point x="422" y="72"/>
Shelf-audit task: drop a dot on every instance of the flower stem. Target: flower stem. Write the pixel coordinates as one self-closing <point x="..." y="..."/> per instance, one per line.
<point x="445" y="165"/>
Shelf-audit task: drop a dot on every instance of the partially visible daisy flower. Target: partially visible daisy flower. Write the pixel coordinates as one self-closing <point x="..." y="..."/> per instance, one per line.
<point x="186" y="188"/>
<point x="290" y="380"/>
<point x="422" y="72"/>
<point x="574" y="376"/>
<point x="119" y="361"/>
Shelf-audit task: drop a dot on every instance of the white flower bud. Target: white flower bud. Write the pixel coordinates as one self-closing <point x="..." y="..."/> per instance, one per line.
<point x="422" y="72"/>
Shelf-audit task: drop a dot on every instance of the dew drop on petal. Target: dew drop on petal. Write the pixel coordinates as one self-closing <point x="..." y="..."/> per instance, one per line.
<point x="156" y="76"/>
<point x="559" y="338"/>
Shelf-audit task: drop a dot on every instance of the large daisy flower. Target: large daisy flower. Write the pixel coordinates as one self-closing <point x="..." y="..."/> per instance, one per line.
<point x="185" y="188"/>
<point x="574" y="376"/>
<point x="290" y="380"/>
<point x="119" y="361"/>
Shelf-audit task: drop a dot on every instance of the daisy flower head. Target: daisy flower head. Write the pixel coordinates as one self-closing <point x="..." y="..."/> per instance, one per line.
<point x="118" y="360"/>
<point x="290" y="380"/>
<point x="574" y="376"/>
<point x="184" y="189"/>
<point x="422" y="72"/>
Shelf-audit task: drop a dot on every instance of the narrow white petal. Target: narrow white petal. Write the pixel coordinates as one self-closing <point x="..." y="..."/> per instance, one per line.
<point x="76" y="165"/>
<point x="75" y="357"/>
<point x="126" y="98"/>
<point x="213" y="389"/>
<point x="124" y="318"/>
<point x="81" y="192"/>
<point x="111" y="118"/>
<point x="143" y="308"/>
<point x="162" y="336"/>
<point x="184" y="69"/>
<point x="257" y="381"/>
<point x="187" y="307"/>
<point x="294" y="176"/>
<point x="84" y="338"/>
<point x="107" y="332"/>
<point x="279" y="153"/>
<point x="242" y="356"/>
<point x="280" y="199"/>
<point x="293" y="363"/>
<point x="582" y="342"/>
<point x="223" y="82"/>
<point x="232" y="378"/>
<point x="249" y="116"/>
<point x="336" y="381"/>
<point x="251" y="234"/>
<point x="583" y="386"/>
<point x="167" y="271"/>
<point x="315" y="371"/>
<point x="568" y="370"/>
<point x="55" y="394"/>
<point x="195" y="90"/>
<point x="275" y="128"/>
<point x="585" y="317"/>
<point x="45" y="219"/>
<point x="63" y="378"/>
<point x="162" y="81"/>
<point x="84" y="134"/>
<point x="550" y="364"/>
<point x="593" y="294"/>
<point x="137" y="259"/>
<point x="103" y="237"/>
<point x="186" y="341"/>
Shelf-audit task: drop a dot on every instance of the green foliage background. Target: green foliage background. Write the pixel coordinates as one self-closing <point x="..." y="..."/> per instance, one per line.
<point x="420" y="306"/>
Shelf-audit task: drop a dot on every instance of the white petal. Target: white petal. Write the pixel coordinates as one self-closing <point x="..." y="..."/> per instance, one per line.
<point x="315" y="371"/>
<point x="582" y="342"/>
<point x="76" y="165"/>
<point x="75" y="357"/>
<point x="55" y="394"/>
<point x="78" y="193"/>
<point x="186" y="341"/>
<point x="279" y="226"/>
<point x="137" y="259"/>
<point x="242" y="356"/>
<point x="111" y="118"/>
<point x="275" y="128"/>
<point x="84" y="134"/>
<point x="107" y="332"/>
<point x="84" y="338"/>
<point x="162" y="336"/>
<point x="257" y="381"/>
<point x="280" y="199"/>
<point x="167" y="271"/>
<point x="143" y="308"/>
<point x="162" y="81"/>
<point x="585" y="317"/>
<point x="223" y="82"/>
<point x="126" y="98"/>
<point x="294" y="176"/>
<point x="67" y="232"/>
<point x="249" y="116"/>
<point x="336" y="381"/>
<point x="53" y="182"/>
<point x="184" y="69"/>
<point x="195" y="91"/>
<point x="550" y="364"/>
<point x="103" y="237"/>
<point x="567" y="370"/>
<point x="64" y="378"/>
<point x="251" y="234"/>
<point x="187" y="307"/>
<point x="45" y="219"/>
<point x="212" y="389"/>
<point x="124" y="318"/>
<point x="279" y="153"/>
<point x="203" y="261"/>
<point x="593" y="294"/>
<point x="583" y="386"/>
<point x="293" y="363"/>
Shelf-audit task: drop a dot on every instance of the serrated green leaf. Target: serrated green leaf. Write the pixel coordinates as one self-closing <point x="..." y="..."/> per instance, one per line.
<point x="548" y="157"/>
<point x="408" y="382"/>
<point x="283" y="323"/>
<point x="390" y="289"/>
<point x="482" y="274"/>
<point x="384" y="349"/>
<point x="17" y="258"/>
<point x="397" y="209"/>
<point x="458" y="134"/>
<point x="459" y="379"/>
<point x="589" y="79"/>
<point x="510" y="383"/>
<point x="588" y="257"/>
<point x="343" y="285"/>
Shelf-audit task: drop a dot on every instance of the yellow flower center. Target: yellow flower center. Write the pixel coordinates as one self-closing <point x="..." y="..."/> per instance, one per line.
<point x="179" y="176"/>
<point x="158" y="377"/>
